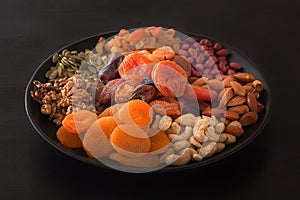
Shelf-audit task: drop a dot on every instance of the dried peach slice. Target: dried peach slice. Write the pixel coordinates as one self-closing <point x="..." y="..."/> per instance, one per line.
<point x="136" y="112"/>
<point x="78" y="122"/>
<point x="169" y="78"/>
<point x="96" y="139"/>
<point x="68" y="139"/>
<point x="159" y="142"/>
<point x="135" y="66"/>
<point x="126" y="144"/>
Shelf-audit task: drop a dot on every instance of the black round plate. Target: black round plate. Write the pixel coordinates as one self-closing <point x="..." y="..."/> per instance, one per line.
<point x="48" y="130"/>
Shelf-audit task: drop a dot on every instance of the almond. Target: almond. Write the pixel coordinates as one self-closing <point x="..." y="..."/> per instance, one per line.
<point x="231" y="115"/>
<point x="248" y="88"/>
<point x="244" y="77"/>
<point x="258" y="86"/>
<point x="227" y="80"/>
<point x="235" y="123"/>
<point x="236" y="101"/>
<point x="249" y="118"/>
<point x="215" y="84"/>
<point x="234" y="130"/>
<point x="226" y="122"/>
<point x="241" y="109"/>
<point x="203" y="105"/>
<point x="252" y="102"/>
<point x="213" y="111"/>
<point x="260" y="107"/>
<point x="226" y="96"/>
<point x="238" y="88"/>
<point x="256" y="94"/>
<point x="201" y="81"/>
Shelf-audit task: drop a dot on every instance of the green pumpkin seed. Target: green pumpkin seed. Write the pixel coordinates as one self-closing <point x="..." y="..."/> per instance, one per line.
<point x="85" y="71"/>
<point x="82" y="55"/>
<point x="55" y="58"/>
<point x="70" y="74"/>
<point x="48" y="73"/>
<point x="72" y="63"/>
<point x="53" y="75"/>
<point x="65" y="73"/>
<point x="59" y="71"/>
<point x="65" y="61"/>
<point x="64" y="52"/>
<point x="92" y="69"/>
<point x="71" y="70"/>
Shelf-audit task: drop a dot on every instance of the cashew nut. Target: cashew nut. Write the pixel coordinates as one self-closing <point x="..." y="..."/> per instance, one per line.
<point x="178" y="160"/>
<point x="163" y="157"/>
<point x="206" y="148"/>
<point x="174" y="129"/>
<point x="199" y="128"/>
<point x="181" y="145"/>
<point x="210" y="134"/>
<point x="187" y="133"/>
<point x="165" y="123"/>
<point x="213" y="121"/>
<point x="227" y="138"/>
<point x="222" y="138"/>
<point x="195" y="142"/>
<point x="216" y="149"/>
<point x="220" y="128"/>
<point x="196" y="157"/>
<point x="156" y="122"/>
<point x="187" y="120"/>
<point x="230" y="139"/>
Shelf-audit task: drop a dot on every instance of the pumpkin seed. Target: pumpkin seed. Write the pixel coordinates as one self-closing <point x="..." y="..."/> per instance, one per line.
<point x="53" y="75"/>
<point x="59" y="71"/>
<point x="71" y="70"/>
<point x="55" y="58"/>
<point x="48" y="73"/>
<point x="92" y="69"/>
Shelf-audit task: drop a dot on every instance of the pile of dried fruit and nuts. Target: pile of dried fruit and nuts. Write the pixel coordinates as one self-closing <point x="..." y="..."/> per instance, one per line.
<point x="146" y="97"/>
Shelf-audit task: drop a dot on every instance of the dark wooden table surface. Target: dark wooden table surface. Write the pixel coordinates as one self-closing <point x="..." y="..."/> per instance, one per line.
<point x="267" y="31"/>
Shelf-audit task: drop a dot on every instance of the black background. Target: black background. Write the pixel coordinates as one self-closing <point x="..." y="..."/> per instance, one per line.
<point x="267" y="31"/>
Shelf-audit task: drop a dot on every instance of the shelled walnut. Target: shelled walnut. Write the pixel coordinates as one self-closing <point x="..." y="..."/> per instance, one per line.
<point x="64" y="96"/>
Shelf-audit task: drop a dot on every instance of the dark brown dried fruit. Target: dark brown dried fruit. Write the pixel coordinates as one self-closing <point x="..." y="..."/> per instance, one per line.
<point x="107" y="94"/>
<point x="184" y="63"/>
<point x="144" y="92"/>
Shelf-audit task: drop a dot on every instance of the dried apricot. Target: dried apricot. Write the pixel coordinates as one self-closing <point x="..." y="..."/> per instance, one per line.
<point x="136" y="112"/>
<point x="68" y="139"/>
<point x="111" y="110"/>
<point x="107" y="125"/>
<point x="164" y="53"/>
<point x="159" y="142"/>
<point x="135" y="66"/>
<point x="96" y="139"/>
<point x="78" y="122"/>
<point x="125" y="143"/>
<point x="169" y="78"/>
